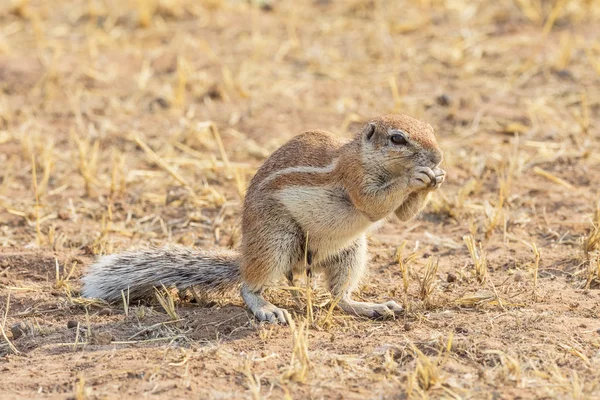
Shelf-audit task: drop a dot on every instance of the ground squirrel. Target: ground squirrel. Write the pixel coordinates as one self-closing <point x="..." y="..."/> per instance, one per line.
<point x="316" y="191"/>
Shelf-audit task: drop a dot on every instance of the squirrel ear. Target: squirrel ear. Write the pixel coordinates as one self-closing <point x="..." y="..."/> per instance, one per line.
<point x="369" y="130"/>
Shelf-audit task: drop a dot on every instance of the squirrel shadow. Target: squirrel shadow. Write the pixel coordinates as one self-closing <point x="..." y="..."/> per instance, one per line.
<point x="227" y="323"/>
<point x="197" y="324"/>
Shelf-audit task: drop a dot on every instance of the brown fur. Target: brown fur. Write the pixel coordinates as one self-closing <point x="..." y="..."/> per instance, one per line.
<point x="319" y="149"/>
<point x="313" y="148"/>
<point x="417" y="130"/>
<point x="317" y="190"/>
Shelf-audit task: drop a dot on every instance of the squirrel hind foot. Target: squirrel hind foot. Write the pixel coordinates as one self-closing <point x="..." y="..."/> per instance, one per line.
<point x="273" y="315"/>
<point x="263" y="310"/>
<point x="386" y="310"/>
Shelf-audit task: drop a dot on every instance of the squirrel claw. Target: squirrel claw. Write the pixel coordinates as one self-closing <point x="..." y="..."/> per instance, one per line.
<point x="439" y="177"/>
<point x="395" y="307"/>
<point x="426" y="178"/>
<point x="263" y="310"/>
<point x="274" y="315"/>
<point x="423" y="178"/>
<point x="391" y="308"/>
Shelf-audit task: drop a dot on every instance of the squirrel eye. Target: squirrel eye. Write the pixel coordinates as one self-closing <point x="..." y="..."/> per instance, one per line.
<point x="398" y="139"/>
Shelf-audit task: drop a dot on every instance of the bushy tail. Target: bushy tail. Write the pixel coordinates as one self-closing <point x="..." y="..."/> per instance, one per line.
<point x="140" y="271"/>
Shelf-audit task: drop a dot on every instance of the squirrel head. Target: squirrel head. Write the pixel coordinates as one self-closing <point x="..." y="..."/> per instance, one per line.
<point x="399" y="143"/>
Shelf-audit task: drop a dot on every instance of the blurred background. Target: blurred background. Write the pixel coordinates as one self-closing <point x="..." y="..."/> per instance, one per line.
<point x="122" y="101"/>
<point x="140" y="122"/>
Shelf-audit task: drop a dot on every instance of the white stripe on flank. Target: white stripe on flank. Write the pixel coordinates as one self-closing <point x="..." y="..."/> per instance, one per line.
<point x="301" y="169"/>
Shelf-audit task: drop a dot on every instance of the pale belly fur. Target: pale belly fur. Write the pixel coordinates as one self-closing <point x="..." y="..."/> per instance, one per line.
<point x="313" y="208"/>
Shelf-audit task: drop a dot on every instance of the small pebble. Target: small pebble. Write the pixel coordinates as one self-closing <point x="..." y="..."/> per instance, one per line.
<point x="266" y="5"/>
<point x="518" y="277"/>
<point x="101" y="338"/>
<point x="18" y="330"/>
<point x="159" y="102"/>
<point x="462" y="330"/>
<point x="451" y="278"/>
<point x="565" y="74"/>
<point x="444" y="100"/>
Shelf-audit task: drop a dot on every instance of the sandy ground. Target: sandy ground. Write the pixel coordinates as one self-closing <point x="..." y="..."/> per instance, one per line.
<point x="129" y="123"/>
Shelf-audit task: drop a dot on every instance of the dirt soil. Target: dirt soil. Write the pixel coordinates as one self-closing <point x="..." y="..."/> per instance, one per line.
<point x="136" y="123"/>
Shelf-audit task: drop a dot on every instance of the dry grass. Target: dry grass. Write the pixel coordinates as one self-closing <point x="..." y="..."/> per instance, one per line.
<point x="591" y="243"/>
<point x="536" y="267"/>
<point x="299" y="368"/>
<point x="478" y="257"/>
<point x="136" y="123"/>
<point x="426" y="376"/>
<point x="428" y="283"/>
<point x="3" y="328"/>
<point x="404" y="270"/>
<point x="252" y="381"/>
<point x="591" y="249"/>
<point x="166" y="299"/>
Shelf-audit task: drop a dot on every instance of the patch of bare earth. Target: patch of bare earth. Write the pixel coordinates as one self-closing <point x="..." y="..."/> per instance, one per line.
<point x="127" y="123"/>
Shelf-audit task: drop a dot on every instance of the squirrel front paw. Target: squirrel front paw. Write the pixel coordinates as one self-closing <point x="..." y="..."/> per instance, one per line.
<point x="440" y="176"/>
<point x="425" y="178"/>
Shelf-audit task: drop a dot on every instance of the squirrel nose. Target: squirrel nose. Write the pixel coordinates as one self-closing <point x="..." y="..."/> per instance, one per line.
<point x="435" y="157"/>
